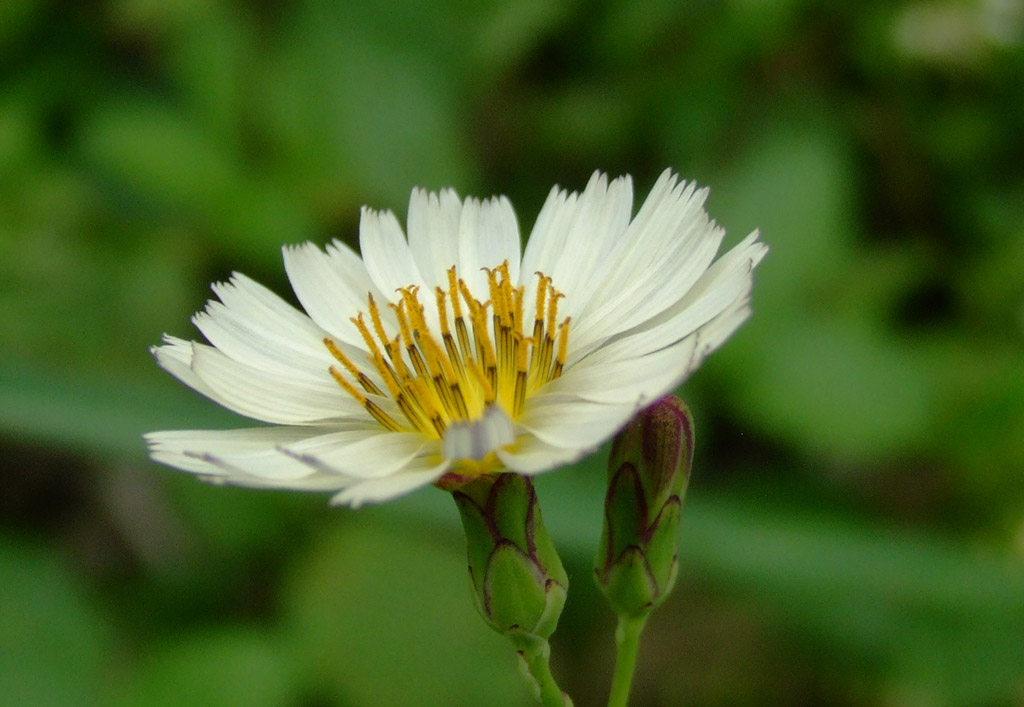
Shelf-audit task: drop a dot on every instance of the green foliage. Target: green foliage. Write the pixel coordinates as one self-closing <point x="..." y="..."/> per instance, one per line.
<point x="857" y="493"/>
<point x="49" y="621"/>
<point x="231" y="666"/>
<point x="371" y="615"/>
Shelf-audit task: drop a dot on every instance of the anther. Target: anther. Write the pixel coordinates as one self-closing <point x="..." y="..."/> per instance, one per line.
<point x="442" y="310"/>
<point x="378" y="328"/>
<point x="372" y="408"/>
<point x="563" y="346"/>
<point x="553" y="310"/>
<point x="453" y="293"/>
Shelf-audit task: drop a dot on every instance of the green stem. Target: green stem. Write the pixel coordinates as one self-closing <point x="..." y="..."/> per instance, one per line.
<point x="627" y="644"/>
<point x="537" y="670"/>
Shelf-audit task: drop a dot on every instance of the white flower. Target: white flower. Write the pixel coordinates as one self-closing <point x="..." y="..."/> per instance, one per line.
<point x="452" y="353"/>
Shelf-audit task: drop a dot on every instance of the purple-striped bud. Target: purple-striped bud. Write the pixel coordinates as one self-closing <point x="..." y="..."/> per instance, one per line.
<point x="648" y="471"/>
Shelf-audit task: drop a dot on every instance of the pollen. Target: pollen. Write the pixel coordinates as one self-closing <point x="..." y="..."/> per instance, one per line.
<point x="451" y="370"/>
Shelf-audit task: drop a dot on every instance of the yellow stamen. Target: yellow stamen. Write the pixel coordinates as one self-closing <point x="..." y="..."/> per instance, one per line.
<point x="563" y="346"/>
<point x="397" y="366"/>
<point x="348" y="387"/>
<point x="463" y="333"/>
<point x="485" y="384"/>
<point x="453" y="293"/>
<point x="497" y="297"/>
<point x="459" y="401"/>
<point x="364" y="380"/>
<point x="403" y="322"/>
<point x="391" y="379"/>
<point x="542" y="288"/>
<point x="371" y="345"/>
<point x="442" y="310"/>
<point x="454" y="369"/>
<point x="382" y="417"/>
<point x="378" y="328"/>
<point x="517" y="308"/>
<point x="553" y="310"/>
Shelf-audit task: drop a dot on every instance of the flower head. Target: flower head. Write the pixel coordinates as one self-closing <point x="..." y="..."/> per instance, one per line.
<point x="453" y="353"/>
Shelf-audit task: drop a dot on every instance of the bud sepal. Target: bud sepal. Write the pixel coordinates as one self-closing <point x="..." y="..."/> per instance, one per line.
<point x="518" y="582"/>
<point x="649" y="468"/>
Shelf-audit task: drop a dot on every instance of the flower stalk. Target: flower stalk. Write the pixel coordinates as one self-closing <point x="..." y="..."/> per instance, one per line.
<point x="535" y="665"/>
<point x="627" y="646"/>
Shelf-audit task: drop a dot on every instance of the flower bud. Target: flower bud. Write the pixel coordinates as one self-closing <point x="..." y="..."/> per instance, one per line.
<point x="648" y="471"/>
<point x="519" y="584"/>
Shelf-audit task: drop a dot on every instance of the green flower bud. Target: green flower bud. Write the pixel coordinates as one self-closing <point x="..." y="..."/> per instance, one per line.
<point x="648" y="471"/>
<point x="518" y="582"/>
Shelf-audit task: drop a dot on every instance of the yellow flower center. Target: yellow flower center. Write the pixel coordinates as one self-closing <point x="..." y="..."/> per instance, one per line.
<point x="465" y="383"/>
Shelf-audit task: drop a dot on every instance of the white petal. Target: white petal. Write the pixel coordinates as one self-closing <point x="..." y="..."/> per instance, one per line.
<point x="175" y="357"/>
<point x="251" y="300"/>
<point x="532" y="456"/>
<point x="313" y="483"/>
<point x="276" y="399"/>
<point x="268" y="457"/>
<point x="601" y="218"/>
<point x="662" y="192"/>
<point x="475" y="439"/>
<point x="653" y="230"/>
<point x="726" y="282"/>
<point x="630" y="380"/>
<point x="433" y="229"/>
<point x="421" y="472"/>
<point x="717" y="332"/>
<point x="370" y="453"/>
<point x="332" y="287"/>
<point x="194" y="450"/>
<point x="488" y="236"/>
<point x="264" y="337"/>
<point x="744" y="257"/>
<point x="672" y="251"/>
<point x="386" y="253"/>
<point x="365" y="454"/>
<point x="216" y="452"/>
<point x="547" y="240"/>
<point x="570" y="422"/>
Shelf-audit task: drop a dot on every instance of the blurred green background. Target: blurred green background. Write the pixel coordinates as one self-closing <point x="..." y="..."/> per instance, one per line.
<point x="854" y="533"/>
